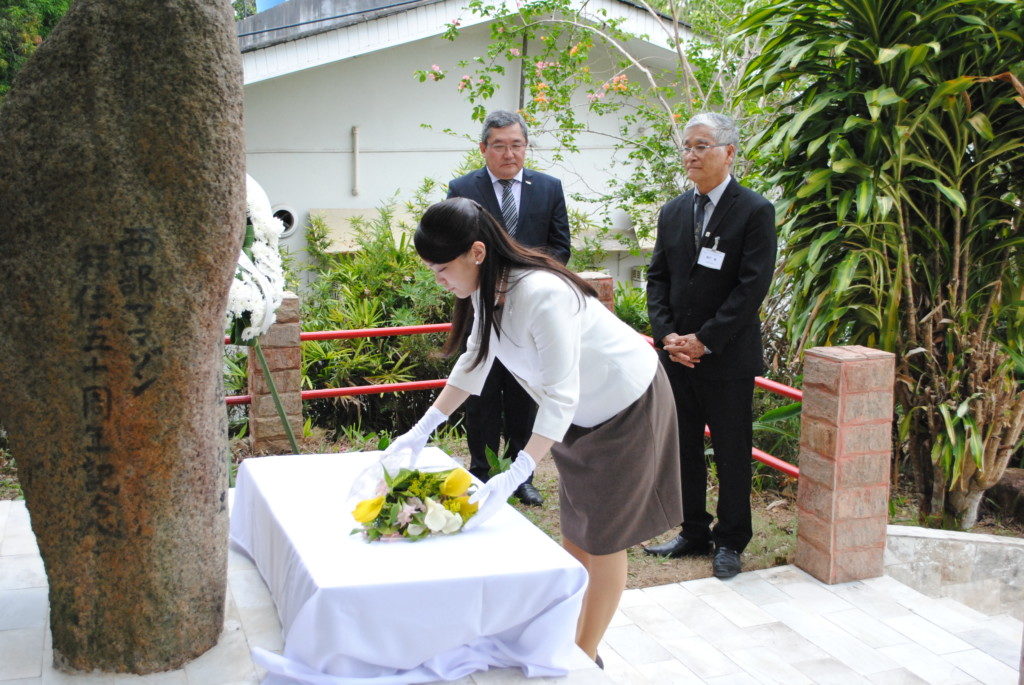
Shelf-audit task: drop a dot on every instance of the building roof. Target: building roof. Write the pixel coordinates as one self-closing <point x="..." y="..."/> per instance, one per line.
<point x="298" y="19"/>
<point x="301" y="34"/>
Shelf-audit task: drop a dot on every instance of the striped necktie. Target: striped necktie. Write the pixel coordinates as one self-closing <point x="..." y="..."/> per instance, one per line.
<point x="509" y="213"/>
<point x="698" y="219"/>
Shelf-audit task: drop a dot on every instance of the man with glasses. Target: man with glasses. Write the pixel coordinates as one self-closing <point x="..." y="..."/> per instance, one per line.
<point x="712" y="265"/>
<point x="531" y="207"/>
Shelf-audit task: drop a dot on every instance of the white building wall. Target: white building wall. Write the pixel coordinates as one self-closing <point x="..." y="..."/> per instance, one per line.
<point x="299" y="132"/>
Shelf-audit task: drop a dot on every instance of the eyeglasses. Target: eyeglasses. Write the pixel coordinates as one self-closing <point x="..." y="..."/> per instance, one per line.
<point x="699" y="150"/>
<point x="500" y="148"/>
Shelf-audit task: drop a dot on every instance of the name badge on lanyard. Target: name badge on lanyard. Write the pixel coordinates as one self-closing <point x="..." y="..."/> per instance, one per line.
<point x="711" y="257"/>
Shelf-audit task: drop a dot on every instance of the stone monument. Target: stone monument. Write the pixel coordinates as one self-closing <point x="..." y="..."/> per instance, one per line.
<point x="123" y="189"/>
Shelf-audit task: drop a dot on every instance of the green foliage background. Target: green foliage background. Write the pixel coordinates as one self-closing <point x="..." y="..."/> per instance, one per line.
<point x="900" y="160"/>
<point x="23" y="26"/>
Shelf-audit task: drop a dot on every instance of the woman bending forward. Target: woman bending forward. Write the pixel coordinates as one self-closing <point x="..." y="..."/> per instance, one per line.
<point x="605" y="408"/>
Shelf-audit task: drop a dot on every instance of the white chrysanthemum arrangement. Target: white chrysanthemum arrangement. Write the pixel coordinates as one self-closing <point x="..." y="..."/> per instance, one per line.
<point x="258" y="286"/>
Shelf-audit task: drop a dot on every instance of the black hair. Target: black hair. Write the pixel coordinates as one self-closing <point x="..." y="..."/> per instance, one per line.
<point x="448" y="230"/>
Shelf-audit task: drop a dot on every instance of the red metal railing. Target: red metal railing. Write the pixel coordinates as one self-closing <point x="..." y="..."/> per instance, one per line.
<point x="763" y="383"/>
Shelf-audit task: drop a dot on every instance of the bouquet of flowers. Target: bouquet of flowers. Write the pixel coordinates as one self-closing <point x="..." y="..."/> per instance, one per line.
<point x="413" y="504"/>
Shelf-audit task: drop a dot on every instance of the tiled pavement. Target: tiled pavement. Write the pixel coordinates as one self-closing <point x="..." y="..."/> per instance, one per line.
<point x="773" y="626"/>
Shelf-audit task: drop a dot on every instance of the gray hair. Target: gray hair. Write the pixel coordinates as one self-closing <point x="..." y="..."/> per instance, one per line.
<point x="501" y="118"/>
<point x="722" y="127"/>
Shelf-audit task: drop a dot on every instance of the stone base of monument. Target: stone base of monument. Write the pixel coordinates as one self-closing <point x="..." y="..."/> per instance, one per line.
<point x="26" y="650"/>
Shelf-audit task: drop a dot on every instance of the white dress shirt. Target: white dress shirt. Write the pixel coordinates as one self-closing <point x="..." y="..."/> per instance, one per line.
<point x="714" y="197"/>
<point x="579" y="362"/>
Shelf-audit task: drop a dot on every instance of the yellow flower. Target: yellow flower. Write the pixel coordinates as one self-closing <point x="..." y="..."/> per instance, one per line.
<point x="457" y="482"/>
<point x="466" y="508"/>
<point x="368" y="509"/>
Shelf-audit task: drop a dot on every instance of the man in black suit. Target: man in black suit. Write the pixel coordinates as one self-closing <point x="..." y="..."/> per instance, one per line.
<point x="531" y="207"/>
<point x="711" y="268"/>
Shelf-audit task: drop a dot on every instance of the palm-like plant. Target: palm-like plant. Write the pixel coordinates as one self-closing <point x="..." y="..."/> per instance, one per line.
<point x="902" y="168"/>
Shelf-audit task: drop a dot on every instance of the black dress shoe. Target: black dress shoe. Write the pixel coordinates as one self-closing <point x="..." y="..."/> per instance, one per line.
<point x="599" y="661"/>
<point x="726" y="563"/>
<point x="679" y="546"/>
<point x="529" y="495"/>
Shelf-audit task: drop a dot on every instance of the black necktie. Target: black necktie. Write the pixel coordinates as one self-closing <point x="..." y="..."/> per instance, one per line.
<point x="509" y="214"/>
<point x="698" y="219"/>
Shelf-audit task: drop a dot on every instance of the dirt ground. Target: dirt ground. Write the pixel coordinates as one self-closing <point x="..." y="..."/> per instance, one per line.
<point x="773" y="544"/>
<point x="774" y="522"/>
<point x="774" y="515"/>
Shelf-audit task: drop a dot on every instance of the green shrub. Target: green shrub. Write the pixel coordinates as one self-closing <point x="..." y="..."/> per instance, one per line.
<point x="631" y="307"/>
<point x="383" y="283"/>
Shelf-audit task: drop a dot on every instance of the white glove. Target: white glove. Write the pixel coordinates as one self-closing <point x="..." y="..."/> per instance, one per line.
<point x="499" y="488"/>
<point x="416" y="438"/>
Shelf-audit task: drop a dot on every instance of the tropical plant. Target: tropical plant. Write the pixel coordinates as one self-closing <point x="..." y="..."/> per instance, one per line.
<point x="631" y="307"/>
<point x="383" y="283"/>
<point x="901" y="165"/>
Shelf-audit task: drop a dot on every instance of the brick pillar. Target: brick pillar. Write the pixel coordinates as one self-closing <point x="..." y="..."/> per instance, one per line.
<point x="603" y="284"/>
<point x="845" y="452"/>
<point x="282" y="349"/>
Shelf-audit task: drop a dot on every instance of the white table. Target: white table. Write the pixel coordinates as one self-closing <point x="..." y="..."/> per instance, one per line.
<point x="499" y="596"/>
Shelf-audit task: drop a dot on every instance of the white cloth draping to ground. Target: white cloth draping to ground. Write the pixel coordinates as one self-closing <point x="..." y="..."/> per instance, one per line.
<point x="504" y="595"/>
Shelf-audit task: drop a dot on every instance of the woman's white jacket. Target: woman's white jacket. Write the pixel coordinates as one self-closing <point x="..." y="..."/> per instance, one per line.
<point x="578" y="361"/>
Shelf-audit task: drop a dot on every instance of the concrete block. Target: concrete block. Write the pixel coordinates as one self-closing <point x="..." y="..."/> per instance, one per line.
<point x="821" y="369"/>
<point x="281" y="335"/>
<point x="922" y="576"/>
<point x="815" y="467"/>
<point x="864" y="407"/>
<point x="857" y="564"/>
<point x="815" y="498"/>
<point x="861" y="439"/>
<point x="279" y="358"/>
<point x="861" y="470"/>
<point x="286" y="381"/>
<point x="862" y="503"/>
<point x="288" y="312"/>
<point x="817" y="562"/>
<point x="263" y="406"/>
<point x="821" y="402"/>
<point x="815" y="531"/>
<point x="818" y="436"/>
<point x="869" y="375"/>
<point x="860" y="533"/>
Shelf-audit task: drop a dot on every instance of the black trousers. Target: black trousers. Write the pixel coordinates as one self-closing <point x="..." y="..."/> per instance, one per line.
<point x="503" y="408"/>
<point x="726" y="406"/>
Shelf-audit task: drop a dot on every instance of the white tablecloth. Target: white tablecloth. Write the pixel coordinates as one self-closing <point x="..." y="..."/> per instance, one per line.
<point x="502" y="595"/>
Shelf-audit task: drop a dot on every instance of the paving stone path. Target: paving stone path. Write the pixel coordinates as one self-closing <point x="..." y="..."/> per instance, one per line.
<point x="778" y="625"/>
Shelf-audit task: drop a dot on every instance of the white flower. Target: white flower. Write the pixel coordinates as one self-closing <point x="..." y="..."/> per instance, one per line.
<point x="440" y="520"/>
<point x="257" y="290"/>
<point x="415" y="529"/>
<point x="453" y="524"/>
<point x="435" y="517"/>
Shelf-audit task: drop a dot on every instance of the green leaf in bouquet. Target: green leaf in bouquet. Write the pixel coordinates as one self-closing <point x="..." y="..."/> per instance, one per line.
<point x="401" y="480"/>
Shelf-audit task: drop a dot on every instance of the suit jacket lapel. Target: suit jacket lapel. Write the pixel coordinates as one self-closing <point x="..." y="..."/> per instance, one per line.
<point x="686" y="233"/>
<point x="486" y="190"/>
<point x="527" y="195"/>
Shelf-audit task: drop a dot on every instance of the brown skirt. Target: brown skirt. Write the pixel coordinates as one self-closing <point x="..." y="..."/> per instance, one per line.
<point x="619" y="480"/>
